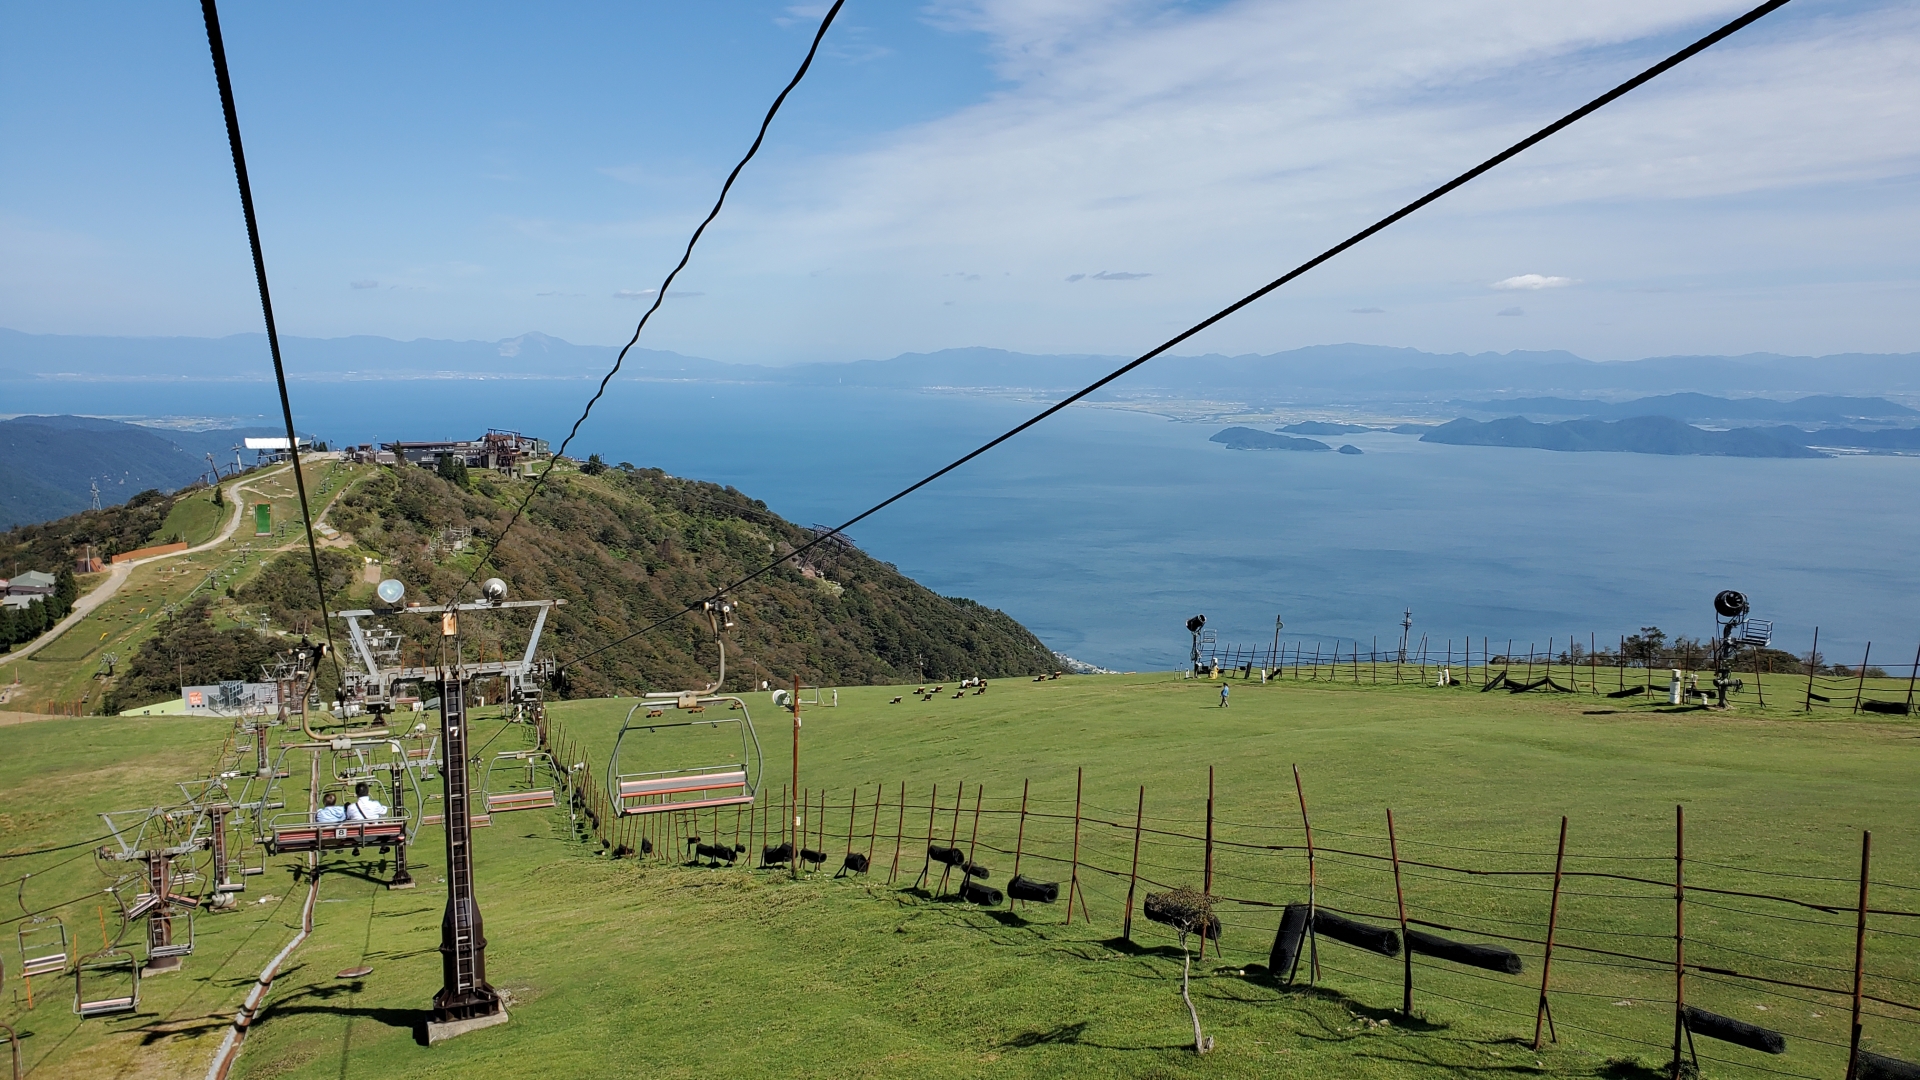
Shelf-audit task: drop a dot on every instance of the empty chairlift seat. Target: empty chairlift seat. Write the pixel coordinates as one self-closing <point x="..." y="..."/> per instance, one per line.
<point x="648" y="793"/>
<point x="661" y="742"/>
<point x="106" y="984"/>
<point x="505" y="790"/>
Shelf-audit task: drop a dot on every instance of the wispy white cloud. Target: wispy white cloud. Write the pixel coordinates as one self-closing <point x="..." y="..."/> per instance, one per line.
<point x="1233" y="141"/>
<point x="1533" y="281"/>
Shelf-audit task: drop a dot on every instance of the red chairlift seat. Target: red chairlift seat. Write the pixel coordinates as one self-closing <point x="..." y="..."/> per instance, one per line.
<point x="653" y="794"/>
<point x="302" y="834"/>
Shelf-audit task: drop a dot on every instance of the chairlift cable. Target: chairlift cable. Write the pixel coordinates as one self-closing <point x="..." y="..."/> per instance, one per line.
<point x="1676" y="59"/>
<point x="659" y="296"/>
<point x="217" y="47"/>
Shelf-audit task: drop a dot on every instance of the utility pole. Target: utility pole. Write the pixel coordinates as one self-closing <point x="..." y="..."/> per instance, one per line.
<point x="1406" y="628"/>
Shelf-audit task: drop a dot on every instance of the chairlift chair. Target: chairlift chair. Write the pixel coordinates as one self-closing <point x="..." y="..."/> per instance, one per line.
<point x="178" y="907"/>
<point x="43" y="947"/>
<point x="732" y="783"/>
<point x="42" y="940"/>
<point x="681" y="788"/>
<point x="508" y="796"/>
<point x="113" y="976"/>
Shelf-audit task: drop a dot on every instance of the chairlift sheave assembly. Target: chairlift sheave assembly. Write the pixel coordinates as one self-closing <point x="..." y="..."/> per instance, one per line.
<point x="728" y="783"/>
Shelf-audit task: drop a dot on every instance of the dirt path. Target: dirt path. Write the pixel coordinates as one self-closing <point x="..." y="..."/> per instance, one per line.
<point x="118" y="575"/>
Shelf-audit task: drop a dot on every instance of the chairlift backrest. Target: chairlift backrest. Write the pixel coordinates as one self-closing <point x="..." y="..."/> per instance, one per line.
<point x="43" y="947"/>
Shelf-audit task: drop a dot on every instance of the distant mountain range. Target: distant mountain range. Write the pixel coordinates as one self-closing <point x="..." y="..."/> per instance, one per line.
<point x="1819" y="408"/>
<point x="1346" y="373"/>
<point x="49" y="464"/>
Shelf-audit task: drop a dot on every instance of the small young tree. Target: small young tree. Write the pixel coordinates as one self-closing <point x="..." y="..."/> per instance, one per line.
<point x="1188" y="911"/>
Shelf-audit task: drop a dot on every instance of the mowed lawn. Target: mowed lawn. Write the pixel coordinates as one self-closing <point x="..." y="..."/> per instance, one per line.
<point x="635" y="968"/>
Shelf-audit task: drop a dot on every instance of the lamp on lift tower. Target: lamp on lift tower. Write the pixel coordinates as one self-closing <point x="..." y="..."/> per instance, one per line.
<point x="1736" y="629"/>
<point x="390" y="591"/>
<point x="1194" y="626"/>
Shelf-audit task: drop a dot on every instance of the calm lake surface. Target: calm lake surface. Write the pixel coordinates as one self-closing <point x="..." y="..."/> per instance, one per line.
<point x="1104" y="530"/>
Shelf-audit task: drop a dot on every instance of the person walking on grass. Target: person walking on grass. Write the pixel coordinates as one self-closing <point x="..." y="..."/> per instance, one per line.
<point x="1223" y="694"/>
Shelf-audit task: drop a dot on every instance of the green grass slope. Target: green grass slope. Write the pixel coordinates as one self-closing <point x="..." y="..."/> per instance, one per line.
<point x="630" y="968"/>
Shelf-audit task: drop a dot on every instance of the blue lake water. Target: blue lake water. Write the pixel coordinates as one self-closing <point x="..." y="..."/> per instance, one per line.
<point x="1104" y="530"/>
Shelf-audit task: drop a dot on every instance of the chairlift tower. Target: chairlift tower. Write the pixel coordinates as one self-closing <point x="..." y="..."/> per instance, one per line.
<point x="160" y="836"/>
<point x="1406" y="631"/>
<point x="466" y="1001"/>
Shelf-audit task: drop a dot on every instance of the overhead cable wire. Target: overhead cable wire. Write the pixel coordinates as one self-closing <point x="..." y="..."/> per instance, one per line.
<point x="218" y="48"/>
<point x="1662" y="67"/>
<point x="659" y="297"/>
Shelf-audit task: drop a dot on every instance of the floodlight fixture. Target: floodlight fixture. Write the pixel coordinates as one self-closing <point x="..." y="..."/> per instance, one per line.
<point x="494" y="589"/>
<point x="390" y="591"/>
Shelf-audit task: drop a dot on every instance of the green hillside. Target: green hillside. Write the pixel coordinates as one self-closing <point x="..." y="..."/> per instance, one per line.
<point x="628" y="547"/>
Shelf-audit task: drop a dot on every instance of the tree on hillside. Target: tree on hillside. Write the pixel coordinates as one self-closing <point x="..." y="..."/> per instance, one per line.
<point x="1645" y="648"/>
<point x="593" y="465"/>
<point x="452" y="470"/>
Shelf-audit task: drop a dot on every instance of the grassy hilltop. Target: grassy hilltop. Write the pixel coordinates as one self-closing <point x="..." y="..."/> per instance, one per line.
<point x="632" y="968"/>
<point x="624" y="547"/>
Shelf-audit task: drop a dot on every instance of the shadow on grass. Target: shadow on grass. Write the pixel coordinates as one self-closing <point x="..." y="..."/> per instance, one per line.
<point x="1074" y="1035"/>
<point x="412" y="1020"/>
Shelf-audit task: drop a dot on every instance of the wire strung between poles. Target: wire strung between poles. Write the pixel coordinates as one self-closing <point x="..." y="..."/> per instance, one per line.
<point x="658" y="298"/>
<point x="218" y="48"/>
<point x="1634" y="83"/>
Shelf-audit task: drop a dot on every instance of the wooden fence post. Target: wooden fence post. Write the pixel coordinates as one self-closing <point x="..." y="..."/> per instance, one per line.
<point x="1915" y="674"/>
<point x="953" y="835"/>
<point x="1020" y="840"/>
<point x="1073" y="879"/>
<point x="1813" y="659"/>
<point x="1313" y="938"/>
<point x="1859" y="955"/>
<point x="1207" y="881"/>
<point x="853" y="805"/>
<point x="1860" y="685"/>
<point x="1543" y="1011"/>
<point x="1133" y="878"/>
<point x="899" y="832"/>
<point x="933" y="801"/>
<point x="1679" y="935"/>
<point x="1400" y="901"/>
<point x="966" y="874"/>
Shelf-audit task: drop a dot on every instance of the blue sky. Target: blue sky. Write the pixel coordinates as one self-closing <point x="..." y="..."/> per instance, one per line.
<point x="1040" y="175"/>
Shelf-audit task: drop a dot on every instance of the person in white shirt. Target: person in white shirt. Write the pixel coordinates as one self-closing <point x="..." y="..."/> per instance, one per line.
<point x="365" y="807"/>
<point x="330" y="810"/>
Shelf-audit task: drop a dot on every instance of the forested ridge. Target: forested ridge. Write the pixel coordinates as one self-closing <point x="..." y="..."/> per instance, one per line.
<point x="626" y="547"/>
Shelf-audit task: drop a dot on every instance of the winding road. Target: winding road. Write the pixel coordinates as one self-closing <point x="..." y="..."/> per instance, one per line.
<point x="120" y="572"/>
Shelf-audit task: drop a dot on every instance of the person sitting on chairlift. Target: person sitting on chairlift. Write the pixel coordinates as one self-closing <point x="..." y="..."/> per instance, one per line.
<point x="365" y="807"/>
<point x="330" y="810"/>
